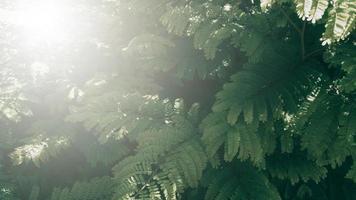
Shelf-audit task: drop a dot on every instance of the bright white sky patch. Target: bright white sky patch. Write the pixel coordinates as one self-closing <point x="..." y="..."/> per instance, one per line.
<point x="43" y="20"/>
<point x="39" y="70"/>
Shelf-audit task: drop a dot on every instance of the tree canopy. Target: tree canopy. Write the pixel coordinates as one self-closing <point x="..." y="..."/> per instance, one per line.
<point x="166" y="99"/>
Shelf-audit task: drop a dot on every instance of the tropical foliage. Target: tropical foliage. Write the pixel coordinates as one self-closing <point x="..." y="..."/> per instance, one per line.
<point x="194" y="99"/>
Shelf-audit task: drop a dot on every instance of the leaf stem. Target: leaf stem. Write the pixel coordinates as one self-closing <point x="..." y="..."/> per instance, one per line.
<point x="302" y="44"/>
<point x="300" y="31"/>
<point x="290" y="21"/>
<point x="312" y="53"/>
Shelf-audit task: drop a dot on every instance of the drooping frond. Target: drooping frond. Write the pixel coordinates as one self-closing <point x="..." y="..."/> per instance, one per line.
<point x="344" y="55"/>
<point x="341" y="21"/>
<point x="344" y="143"/>
<point x="98" y="188"/>
<point x="168" y="159"/>
<point x="119" y="114"/>
<point x="239" y="140"/>
<point x="250" y="36"/>
<point x="295" y="167"/>
<point x="230" y="184"/>
<point x="107" y="153"/>
<point x="13" y="101"/>
<point x="39" y="151"/>
<point x="208" y="32"/>
<point x="328" y="134"/>
<point x="351" y="174"/>
<point x="321" y="129"/>
<point x="311" y="10"/>
<point x="177" y="19"/>
<point x="255" y="92"/>
<point x="265" y="4"/>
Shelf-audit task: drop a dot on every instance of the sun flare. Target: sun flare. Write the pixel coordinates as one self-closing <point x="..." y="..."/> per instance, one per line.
<point x="46" y="21"/>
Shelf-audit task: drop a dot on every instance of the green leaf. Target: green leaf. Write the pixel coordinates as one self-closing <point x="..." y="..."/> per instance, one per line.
<point x="229" y="184"/>
<point x="311" y="10"/>
<point x="341" y="21"/>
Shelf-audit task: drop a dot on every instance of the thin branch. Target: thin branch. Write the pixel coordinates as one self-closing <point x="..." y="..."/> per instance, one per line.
<point x="316" y="51"/>
<point x="300" y="31"/>
<point x="302" y="45"/>
<point x="291" y="21"/>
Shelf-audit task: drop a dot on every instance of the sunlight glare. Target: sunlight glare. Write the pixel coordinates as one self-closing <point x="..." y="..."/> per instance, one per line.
<point x="45" y="21"/>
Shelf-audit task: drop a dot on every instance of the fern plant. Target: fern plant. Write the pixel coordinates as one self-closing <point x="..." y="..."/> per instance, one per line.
<point x="203" y="99"/>
<point x="168" y="159"/>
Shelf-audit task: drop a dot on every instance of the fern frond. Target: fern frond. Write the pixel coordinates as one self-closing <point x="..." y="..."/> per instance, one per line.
<point x="13" y="102"/>
<point x="344" y="56"/>
<point x="268" y="134"/>
<point x="120" y="115"/>
<point x="329" y="133"/>
<point x="211" y="36"/>
<point x="295" y="167"/>
<point x="311" y="10"/>
<point x="239" y="140"/>
<point x="230" y="184"/>
<point x="181" y="167"/>
<point x="254" y="92"/>
<point x="321" y="129"/>
<point x="287" y="143"/>
<point x="177" y="19"/>
<point x="265" y="4"/>
<point x="107" y="153"/>
<point x="98" y="188"/>
<point x="207" y="23"/>
<point x="39" y="151"/>
<point x="344" y="144"/>
<point x="168" y="159"/>
<point x="214" y="129"/>
<point x="255" y="37"/>
<point x="351" y="174"/>
<point x="341" y="21"/>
